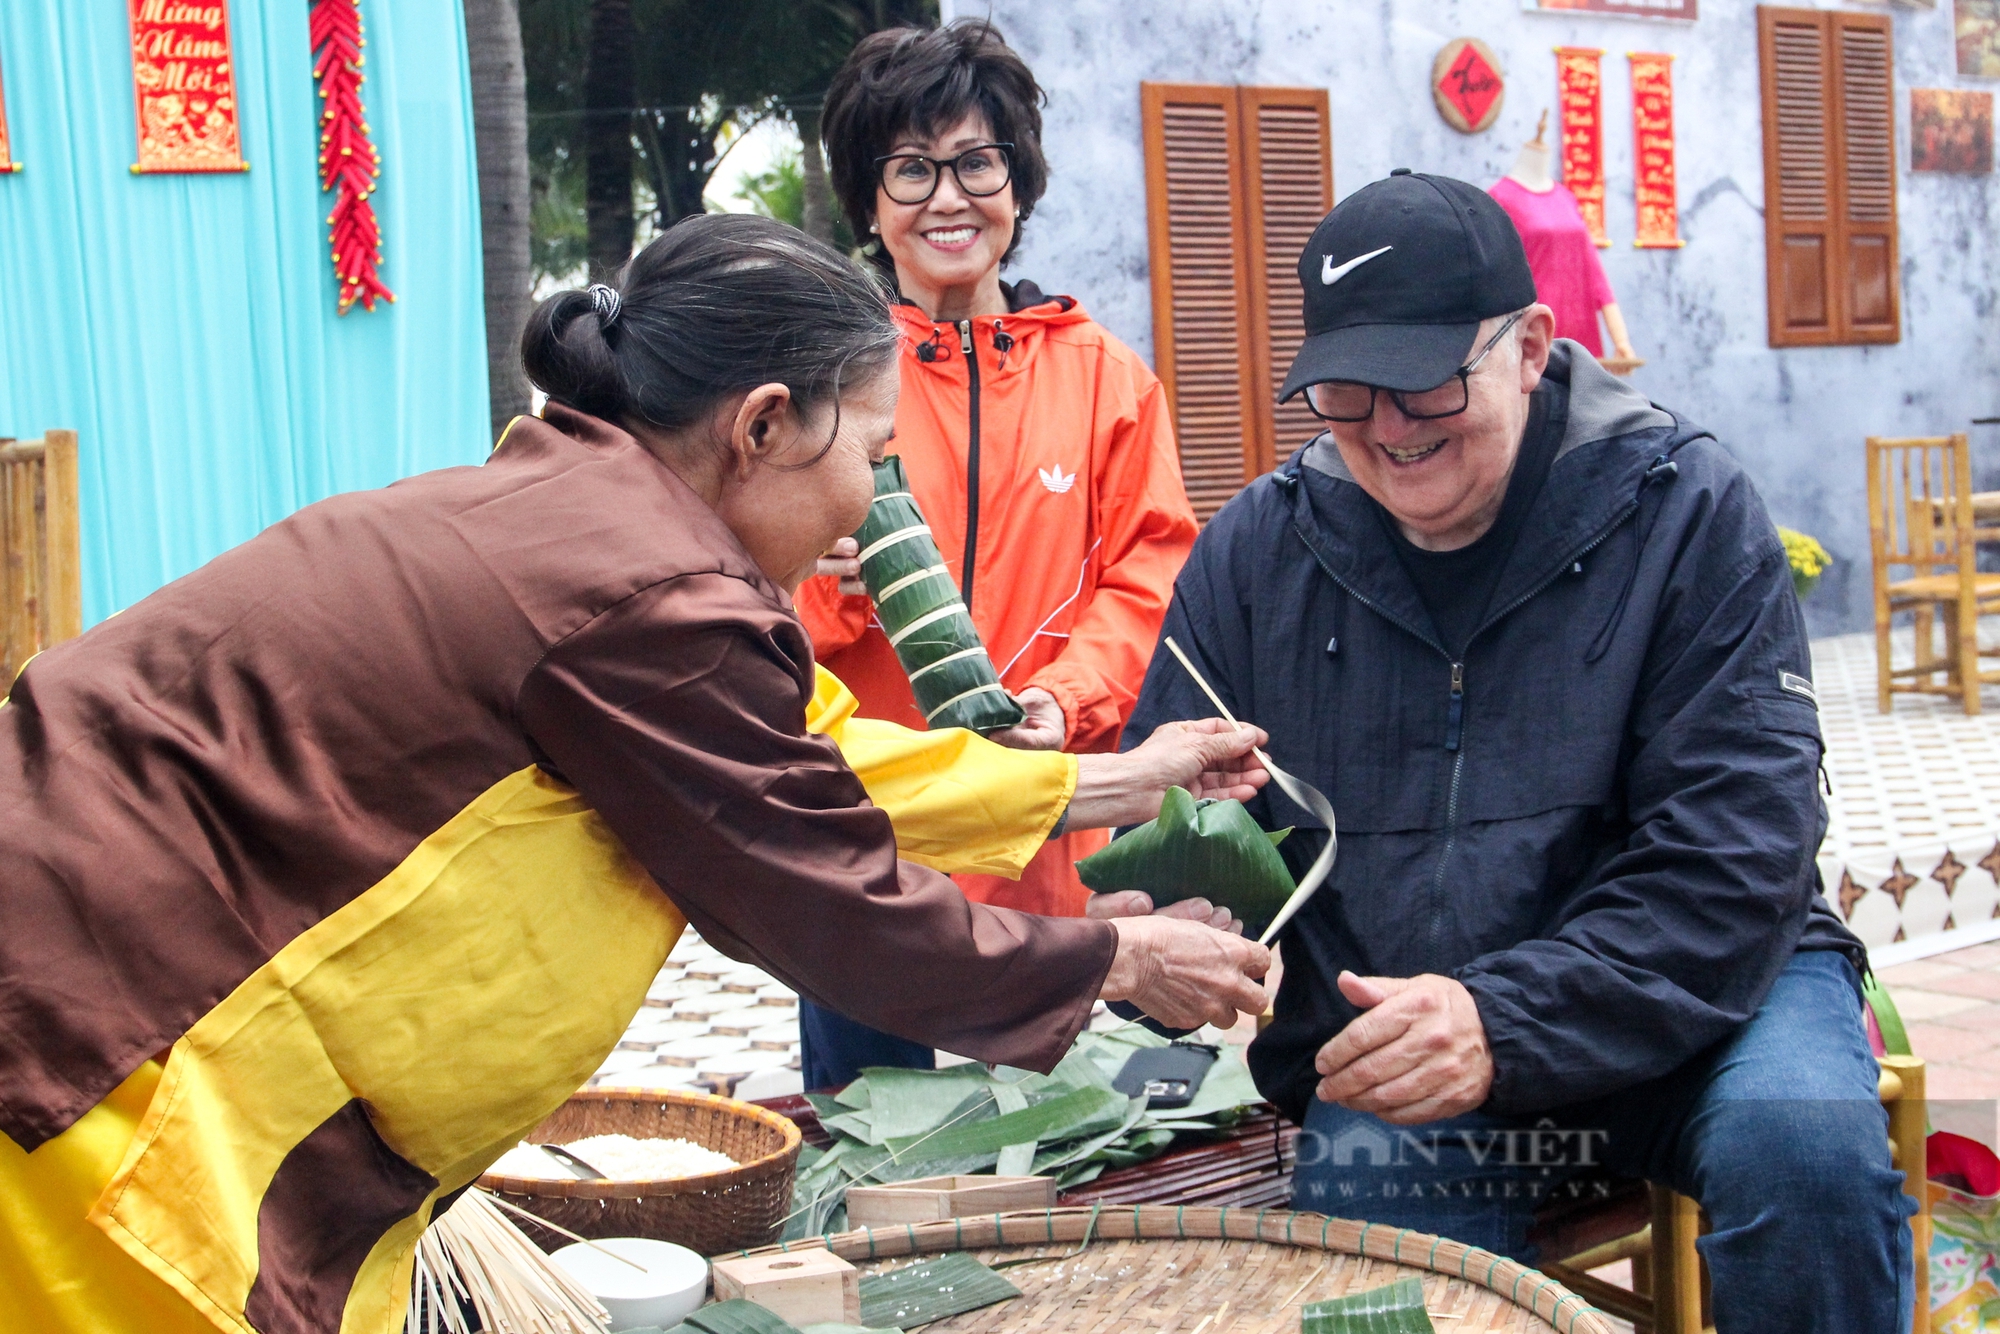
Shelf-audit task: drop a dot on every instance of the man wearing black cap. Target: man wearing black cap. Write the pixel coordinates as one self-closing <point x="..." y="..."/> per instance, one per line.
<point x="1536" y="639"/>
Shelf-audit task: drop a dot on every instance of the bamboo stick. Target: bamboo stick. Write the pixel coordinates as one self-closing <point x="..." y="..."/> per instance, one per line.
<point x="62" y="605"/>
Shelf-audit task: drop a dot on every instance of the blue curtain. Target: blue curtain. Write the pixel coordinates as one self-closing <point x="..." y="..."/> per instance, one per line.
<point x="185" y="324"/>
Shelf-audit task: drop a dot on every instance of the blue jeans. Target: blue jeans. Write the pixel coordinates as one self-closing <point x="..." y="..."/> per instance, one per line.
<point x="1776" y="1130"/>
<point x="834" y="1049"/>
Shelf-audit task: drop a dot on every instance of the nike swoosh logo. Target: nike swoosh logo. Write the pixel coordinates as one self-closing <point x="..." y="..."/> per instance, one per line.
<point x="1330" y="273"/>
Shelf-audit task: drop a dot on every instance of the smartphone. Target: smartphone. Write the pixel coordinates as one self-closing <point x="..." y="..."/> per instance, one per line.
<point x="1167" y="1076"/>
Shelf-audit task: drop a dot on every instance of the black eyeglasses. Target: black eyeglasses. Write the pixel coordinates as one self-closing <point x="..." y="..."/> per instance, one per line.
<point x="1345" y="401"/>
<point x="912" y="178"/>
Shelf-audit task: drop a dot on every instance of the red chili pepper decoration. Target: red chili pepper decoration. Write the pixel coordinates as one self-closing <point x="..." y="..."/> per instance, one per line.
<point x="348" y="162"/>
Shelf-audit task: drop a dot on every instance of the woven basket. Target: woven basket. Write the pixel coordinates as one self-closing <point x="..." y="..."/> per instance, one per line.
<point x="1156" y="1267"/>
<point x="717" y="1211"/>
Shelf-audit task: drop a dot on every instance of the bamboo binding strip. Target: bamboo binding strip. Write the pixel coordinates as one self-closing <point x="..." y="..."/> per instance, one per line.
<point x="1165" y="1267"/>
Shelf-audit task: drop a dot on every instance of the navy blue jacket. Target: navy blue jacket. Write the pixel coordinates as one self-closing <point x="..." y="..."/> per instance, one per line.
<point x="1602" y="820"/>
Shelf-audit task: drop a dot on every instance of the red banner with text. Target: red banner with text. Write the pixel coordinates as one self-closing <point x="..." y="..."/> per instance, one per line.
<point x="184" y="84"/>
<point x="1580" y="96"/>
<point x="1653" y="151"/>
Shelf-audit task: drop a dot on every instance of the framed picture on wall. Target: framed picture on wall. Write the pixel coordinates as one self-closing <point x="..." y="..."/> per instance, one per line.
<point x="1951" y="129"/>
<point x="1631" y="9"/>
<point x="1976" y="24"/>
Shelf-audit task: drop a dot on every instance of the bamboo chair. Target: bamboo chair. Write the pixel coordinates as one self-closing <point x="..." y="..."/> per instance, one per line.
<point x="1920" y="519"/>
<point x="1669" y="1283"/>
<point x="41" y="586"/>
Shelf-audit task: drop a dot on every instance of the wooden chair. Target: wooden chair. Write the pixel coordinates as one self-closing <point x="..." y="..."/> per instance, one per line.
<point x="1669" y="1285"/>
<point x="1920" y="519"/>
<point x="41" y="588"/>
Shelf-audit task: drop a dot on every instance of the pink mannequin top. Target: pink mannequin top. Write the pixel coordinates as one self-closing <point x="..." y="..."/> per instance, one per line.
<point x="1569" y="279"/>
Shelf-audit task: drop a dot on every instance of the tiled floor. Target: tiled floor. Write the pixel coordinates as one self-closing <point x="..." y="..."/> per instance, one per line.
<point x="1951" y="1005"/>
<point x="1921" y="773"/>
<point x="712" y="1024"/>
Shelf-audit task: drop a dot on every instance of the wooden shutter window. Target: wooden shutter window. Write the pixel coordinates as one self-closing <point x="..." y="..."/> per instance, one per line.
<point x="1289" y="156"/>
<point x="1829" y="177"/>
<point x="1200" y="288"/>
<point x="1868" y="133"/>
<point x="1236" y="180"/>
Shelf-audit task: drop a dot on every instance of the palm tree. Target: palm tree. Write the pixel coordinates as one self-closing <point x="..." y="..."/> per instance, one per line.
<point x="500" y="129"/>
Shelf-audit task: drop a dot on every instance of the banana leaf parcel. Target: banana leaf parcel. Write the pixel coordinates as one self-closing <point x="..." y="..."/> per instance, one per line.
<point x="1397" y="1308"/>
<point x="1211" y="850"/>
<point x="928" y="625"/>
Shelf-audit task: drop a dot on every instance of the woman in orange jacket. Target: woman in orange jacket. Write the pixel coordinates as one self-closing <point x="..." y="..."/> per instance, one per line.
<point x="1038" y="446"/>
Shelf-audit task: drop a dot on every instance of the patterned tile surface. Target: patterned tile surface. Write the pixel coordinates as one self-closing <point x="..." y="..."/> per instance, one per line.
<point x="1913" y="847"/>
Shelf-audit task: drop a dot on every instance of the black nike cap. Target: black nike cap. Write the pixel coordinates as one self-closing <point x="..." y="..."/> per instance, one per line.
<point x="1397" y="279"/>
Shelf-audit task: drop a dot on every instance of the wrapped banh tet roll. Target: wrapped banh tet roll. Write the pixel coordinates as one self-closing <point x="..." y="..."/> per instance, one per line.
<point x="917" y="601"/>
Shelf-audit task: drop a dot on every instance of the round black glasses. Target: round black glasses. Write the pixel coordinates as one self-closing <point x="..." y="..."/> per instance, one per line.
<point x="912" y="178"/>
<point x="1345" y="401"/>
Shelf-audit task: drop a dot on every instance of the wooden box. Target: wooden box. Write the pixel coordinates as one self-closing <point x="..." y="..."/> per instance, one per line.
<point x="932" y="1199"/>
<point x="804" y="1287"/>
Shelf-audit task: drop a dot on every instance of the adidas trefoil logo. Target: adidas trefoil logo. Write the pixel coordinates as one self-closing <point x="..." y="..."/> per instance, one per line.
<point x="1057" y="481"/>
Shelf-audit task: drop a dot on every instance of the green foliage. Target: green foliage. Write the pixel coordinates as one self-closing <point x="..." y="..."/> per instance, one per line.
<point x="1209" y="849"/>
<point x="779" y="192"/>
<point x="1808" y="559"/>
<point x="558" y="237"/>
<point x="703" y="67"/>
<point x="897" y="1125"/>
<point x="1396" y="1308"/>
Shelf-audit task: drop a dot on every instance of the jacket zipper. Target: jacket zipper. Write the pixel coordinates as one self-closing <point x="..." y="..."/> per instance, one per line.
<point x="1454" y="735"/>
<point x="971" y="461"/>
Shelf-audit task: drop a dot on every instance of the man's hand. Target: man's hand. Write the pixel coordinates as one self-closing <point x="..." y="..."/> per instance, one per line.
<point x="1044" y="728"/>
<point x="842" y="561"/>
<point x="1418" y="1053"/>
<point x="1185" y="974"/>
<point x="1208" y="758"/>
<point x="1137" y="903"/>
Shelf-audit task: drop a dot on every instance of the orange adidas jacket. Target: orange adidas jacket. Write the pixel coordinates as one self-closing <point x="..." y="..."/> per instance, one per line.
<point x="1079" y="528"/>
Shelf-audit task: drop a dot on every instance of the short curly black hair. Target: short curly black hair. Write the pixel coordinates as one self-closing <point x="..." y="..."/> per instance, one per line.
<point x="927" y="80"/>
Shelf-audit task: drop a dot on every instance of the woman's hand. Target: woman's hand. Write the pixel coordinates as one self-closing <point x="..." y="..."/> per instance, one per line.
<point x="1185" y="974"/>
<point x="1044" y="728"/>
<point x="1208" y="757"/>
<point x="1137" y="903"/>
<point x="842" y="561"/>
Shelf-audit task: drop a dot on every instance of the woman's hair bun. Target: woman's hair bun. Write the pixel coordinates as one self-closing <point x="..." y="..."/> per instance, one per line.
<point x="567" y="356"/>
<point x="720" y="302"/>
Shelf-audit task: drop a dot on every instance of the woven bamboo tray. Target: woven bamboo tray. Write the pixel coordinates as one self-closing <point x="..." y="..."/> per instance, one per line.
<point x="717" y="1211"/>
<point x="1166" y="1268"/>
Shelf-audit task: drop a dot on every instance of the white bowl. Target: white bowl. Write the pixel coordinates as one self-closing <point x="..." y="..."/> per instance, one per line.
<point x="673" y="1284"/>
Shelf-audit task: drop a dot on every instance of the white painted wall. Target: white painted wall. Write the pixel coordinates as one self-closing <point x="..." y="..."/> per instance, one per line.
<point x="1795" y="417"/>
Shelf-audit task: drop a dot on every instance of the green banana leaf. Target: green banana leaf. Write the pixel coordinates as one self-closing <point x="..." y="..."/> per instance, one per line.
<point x="932" y="1289"/>
<point x="1895" y="1038"/>
<point x="927" y="623"/>
<point x="961" y="1120"/>
<point x="1208" y="850"/>
<point x="912" y="1102"/>
<point x="1064" y="1117"/>
<point x="734" y="1317"/>
<point x="1396" y="1308"/>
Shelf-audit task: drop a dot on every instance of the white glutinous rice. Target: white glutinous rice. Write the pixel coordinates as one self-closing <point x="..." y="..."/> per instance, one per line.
<point x="619" y="1157"/>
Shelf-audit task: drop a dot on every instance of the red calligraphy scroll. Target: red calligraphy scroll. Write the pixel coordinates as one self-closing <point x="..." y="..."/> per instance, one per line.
<point x="1580" y="96"/>
<point x="1653" y="151"/>
<point x="7" y="162"/>
<point x="184" y="83"/>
